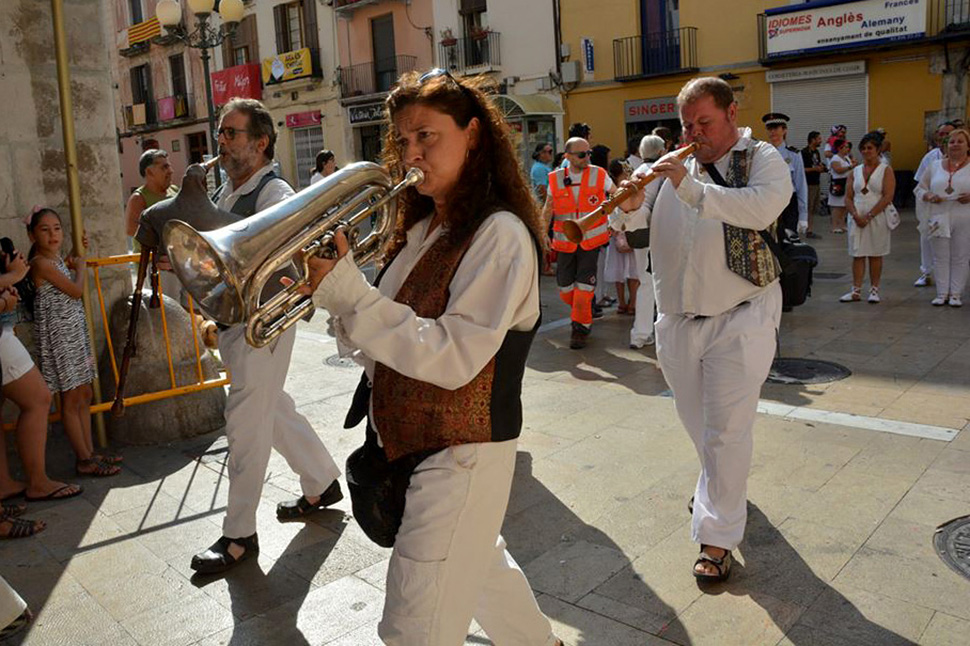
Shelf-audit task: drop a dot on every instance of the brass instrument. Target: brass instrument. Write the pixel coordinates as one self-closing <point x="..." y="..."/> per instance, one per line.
<point x="575" y="229"/>
<point x="230" y="270"/>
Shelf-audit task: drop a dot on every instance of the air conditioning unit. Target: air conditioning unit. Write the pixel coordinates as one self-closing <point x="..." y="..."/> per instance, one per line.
<point x="544" y="84"/>
<point x="570" y="72"/>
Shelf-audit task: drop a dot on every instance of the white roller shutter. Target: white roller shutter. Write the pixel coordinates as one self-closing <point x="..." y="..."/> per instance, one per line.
<point x="818" y="104"/>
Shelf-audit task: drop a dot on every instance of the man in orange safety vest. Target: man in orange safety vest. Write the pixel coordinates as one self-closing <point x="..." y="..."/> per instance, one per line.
<point x="573" y="192"/>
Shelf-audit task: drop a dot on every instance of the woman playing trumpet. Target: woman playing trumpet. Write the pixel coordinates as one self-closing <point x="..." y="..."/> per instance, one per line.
<point x="443" y="340"/>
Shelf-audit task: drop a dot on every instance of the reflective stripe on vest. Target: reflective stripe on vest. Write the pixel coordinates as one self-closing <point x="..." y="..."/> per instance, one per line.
<point x="565" y="207"/>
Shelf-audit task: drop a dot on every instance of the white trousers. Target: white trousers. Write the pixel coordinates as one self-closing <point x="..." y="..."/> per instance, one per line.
<point x="643" y="320"/>
<point x="260" y="416"/>
<point x="951" y="256"/>
<point x="600" y="288"/>
<point x="11" y="605"/>
<point x="925" y="246"/>
<point x="715" y="367"/>
<point x="449" y="563"/>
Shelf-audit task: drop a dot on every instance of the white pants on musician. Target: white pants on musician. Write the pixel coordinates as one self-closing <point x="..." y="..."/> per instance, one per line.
<point x="449" y="563"/>
<point x="715" y="367"/>
<point x="261" y="416"/>
<point x="11" y="604"/>
<point x="951" y="257"/>
<point x="925" y="242"/>
<point x="642" y="329"/>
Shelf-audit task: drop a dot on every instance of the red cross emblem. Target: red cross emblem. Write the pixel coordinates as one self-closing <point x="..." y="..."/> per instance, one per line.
<point x="593" y="200"/>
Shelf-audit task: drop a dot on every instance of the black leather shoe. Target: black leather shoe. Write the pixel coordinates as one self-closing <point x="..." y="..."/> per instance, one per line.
<point x="301" y="506"/>
<point x="577" y="339"/>
<point x="217" y="558"/>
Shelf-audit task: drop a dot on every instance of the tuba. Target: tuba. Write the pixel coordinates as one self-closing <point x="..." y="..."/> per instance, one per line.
<point x="243" y="272"/>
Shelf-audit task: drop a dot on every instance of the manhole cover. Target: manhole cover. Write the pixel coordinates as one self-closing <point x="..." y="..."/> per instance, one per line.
<point x="806" y="371"/>
<point x="335" y="361"/>
<point x="952" y="541"/>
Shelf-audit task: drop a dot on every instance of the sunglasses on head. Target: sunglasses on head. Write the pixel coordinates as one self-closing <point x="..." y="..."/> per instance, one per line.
<point x="439" y="72"/>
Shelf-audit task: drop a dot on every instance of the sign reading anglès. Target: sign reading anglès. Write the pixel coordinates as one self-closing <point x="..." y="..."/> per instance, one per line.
<point x="825" y="25"/>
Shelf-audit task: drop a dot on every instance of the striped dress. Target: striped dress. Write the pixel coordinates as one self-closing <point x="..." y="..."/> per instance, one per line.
<point x="66" y="360"/>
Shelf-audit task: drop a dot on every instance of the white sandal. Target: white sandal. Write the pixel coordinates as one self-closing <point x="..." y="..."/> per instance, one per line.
<point x="873" y="294"/>
<point x="853" y="296"/>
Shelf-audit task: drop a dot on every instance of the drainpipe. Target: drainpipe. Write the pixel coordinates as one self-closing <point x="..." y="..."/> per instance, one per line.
<point x="73" y="185"/>
<point x="556" y="15"/>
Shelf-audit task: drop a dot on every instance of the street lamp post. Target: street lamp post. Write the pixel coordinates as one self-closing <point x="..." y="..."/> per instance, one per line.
<point x="203" y="37"/>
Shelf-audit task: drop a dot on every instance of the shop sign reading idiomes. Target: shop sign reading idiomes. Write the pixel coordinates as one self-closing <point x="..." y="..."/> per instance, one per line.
<point x="836" y="24"/>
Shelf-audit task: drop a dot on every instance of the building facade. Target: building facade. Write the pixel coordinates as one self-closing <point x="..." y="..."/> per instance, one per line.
<point x="160" y="92"/>
<point x="515" y="43"/>
<point x="864" y="63"/>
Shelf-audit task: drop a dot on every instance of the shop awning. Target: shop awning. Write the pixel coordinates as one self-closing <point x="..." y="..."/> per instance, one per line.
<point x="526" y="105"/>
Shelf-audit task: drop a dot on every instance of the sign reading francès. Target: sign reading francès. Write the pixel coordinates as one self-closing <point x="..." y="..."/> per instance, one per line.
<point x="651" y="109"/>
<point x="825" y="25"/>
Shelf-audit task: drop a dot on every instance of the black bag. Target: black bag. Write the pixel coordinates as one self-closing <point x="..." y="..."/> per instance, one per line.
<point x="837" y="186"/>
<point x="797" y="259"/>
<point x="378" y="489"/>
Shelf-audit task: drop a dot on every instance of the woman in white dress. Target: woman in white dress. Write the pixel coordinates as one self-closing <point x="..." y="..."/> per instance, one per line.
<point x="621" y="264"/>
<point x="840" y="166"/>
<point x="868" y="193"/>
<point x="946" y="189"/>
<point x="651" y="148"/>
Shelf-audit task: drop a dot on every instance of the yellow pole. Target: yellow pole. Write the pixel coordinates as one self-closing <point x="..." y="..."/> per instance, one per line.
<point x="73" y="185"/>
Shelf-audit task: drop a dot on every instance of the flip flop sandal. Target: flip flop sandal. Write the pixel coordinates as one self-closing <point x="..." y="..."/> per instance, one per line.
<point x="23" y="528"/>
<point x="108" y="458"/>
<point x="101" y="469"/>
<point x="12" y="511"/>
<point x="56" y="494"/>
<point x="723" y="566"/>
<point x="17" y="625"/>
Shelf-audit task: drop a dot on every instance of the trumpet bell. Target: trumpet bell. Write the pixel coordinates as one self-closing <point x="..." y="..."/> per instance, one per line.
<point x="200" y="267"/>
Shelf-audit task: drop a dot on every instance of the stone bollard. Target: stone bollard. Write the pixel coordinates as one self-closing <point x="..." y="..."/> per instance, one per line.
<point x="166" y="420"/>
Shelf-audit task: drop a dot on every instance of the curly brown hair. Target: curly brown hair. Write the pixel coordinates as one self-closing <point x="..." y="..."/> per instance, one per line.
<point x="492" y="178"/>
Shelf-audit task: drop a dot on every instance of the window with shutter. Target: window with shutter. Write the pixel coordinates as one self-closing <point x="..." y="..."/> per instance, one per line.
<point x="242" y="47"/>
<point x="311" y="38"/>
<point x="473" y="6"/>
<point x="279" y="21"/>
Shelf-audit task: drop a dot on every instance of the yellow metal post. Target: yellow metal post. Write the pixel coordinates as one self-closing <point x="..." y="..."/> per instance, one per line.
<point x="73" y="184"/>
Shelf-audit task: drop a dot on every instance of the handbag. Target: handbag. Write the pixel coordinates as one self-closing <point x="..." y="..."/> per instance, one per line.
<point x="837" y="186"/>
<point x="378" y="488"/>
<point x="892" y="216"/>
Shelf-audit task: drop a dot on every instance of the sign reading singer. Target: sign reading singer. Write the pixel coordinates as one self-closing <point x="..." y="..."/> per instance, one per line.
<point x="826" y="25"/>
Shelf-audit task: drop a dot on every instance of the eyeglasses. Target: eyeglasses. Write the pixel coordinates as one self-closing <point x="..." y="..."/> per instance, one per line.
<point x="581" y="154"/>
<point x="231" y="132"/>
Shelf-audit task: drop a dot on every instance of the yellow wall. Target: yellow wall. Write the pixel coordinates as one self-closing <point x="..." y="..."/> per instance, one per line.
<point x="727" y="30"/>
<point x="601" y="20"/>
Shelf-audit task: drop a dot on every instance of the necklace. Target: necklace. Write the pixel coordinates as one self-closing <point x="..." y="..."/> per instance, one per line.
<point x="952" y="171"/>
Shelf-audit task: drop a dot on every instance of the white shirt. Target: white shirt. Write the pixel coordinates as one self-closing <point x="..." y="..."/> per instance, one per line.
<point x="274" y="192"/>
<point x="934" y="155"/>
<point x="690" y="269"/>
<point x="495" y="289"/>
<point x="316" y="177"/>
<point x="935" y="180"/>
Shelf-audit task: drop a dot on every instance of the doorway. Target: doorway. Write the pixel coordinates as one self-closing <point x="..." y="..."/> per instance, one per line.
<point x="385" y="61"/>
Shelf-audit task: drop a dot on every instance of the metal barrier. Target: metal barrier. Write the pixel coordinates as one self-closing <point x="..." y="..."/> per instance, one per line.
<point x="201" y="383"/>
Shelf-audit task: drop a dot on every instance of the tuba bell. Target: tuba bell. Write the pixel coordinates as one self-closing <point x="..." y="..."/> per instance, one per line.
<point x="244" y="271"/>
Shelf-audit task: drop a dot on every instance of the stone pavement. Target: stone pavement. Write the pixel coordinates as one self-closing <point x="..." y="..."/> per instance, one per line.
<point x="838" y="549"/>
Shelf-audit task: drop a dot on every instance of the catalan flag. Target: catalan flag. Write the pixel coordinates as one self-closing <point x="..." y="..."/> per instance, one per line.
<point x="143" y="31"/>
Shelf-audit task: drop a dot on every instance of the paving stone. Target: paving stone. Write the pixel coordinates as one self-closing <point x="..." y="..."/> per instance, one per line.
<point x="74" y="526"/>
<point x="168" y="529"/>
<point x="572" y="570"/>
<point x="854" y="500"/>
<point x="325" y="614"/>
<point x="81" y="623"/>
<point x="945" y="630"/>
<point x="865" y="618"/>
<point x="330" y="559"/>
<point x="749" y="620"/>
<point x="945" y="484"/>
<point x="194" y="616"/>
<point x="579" y="627"/>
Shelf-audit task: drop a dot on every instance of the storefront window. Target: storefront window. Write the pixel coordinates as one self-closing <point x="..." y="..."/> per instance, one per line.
<point x="307" y="142"/>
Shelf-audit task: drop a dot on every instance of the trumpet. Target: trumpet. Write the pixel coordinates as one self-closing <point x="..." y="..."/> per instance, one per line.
<point x="229" y="271"/>
<point x="574" y="230"/>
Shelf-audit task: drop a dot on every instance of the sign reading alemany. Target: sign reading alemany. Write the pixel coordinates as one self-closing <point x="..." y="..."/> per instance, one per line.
<point x="825" y="25"/>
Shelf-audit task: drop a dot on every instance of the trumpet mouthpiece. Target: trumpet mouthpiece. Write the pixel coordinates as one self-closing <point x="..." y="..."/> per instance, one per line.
<point x="414" y="177"/>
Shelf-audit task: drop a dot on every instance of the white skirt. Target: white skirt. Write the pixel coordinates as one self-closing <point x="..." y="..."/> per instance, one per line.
<point x="620" y="267"/>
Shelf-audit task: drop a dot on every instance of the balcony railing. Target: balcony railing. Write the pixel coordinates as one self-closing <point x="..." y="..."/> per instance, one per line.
<point x="371" y="78"/>
<point x="945" y="20"/>
<point x="179" y="106"/>
<point x="471" y="54"/>
<point x="657" y="54"/>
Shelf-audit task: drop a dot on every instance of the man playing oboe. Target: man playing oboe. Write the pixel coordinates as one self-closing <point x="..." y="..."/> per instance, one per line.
<point x="719" y="302"/>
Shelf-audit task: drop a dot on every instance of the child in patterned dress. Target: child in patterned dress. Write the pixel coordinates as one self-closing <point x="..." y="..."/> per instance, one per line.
<point x="61" y="332"/>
